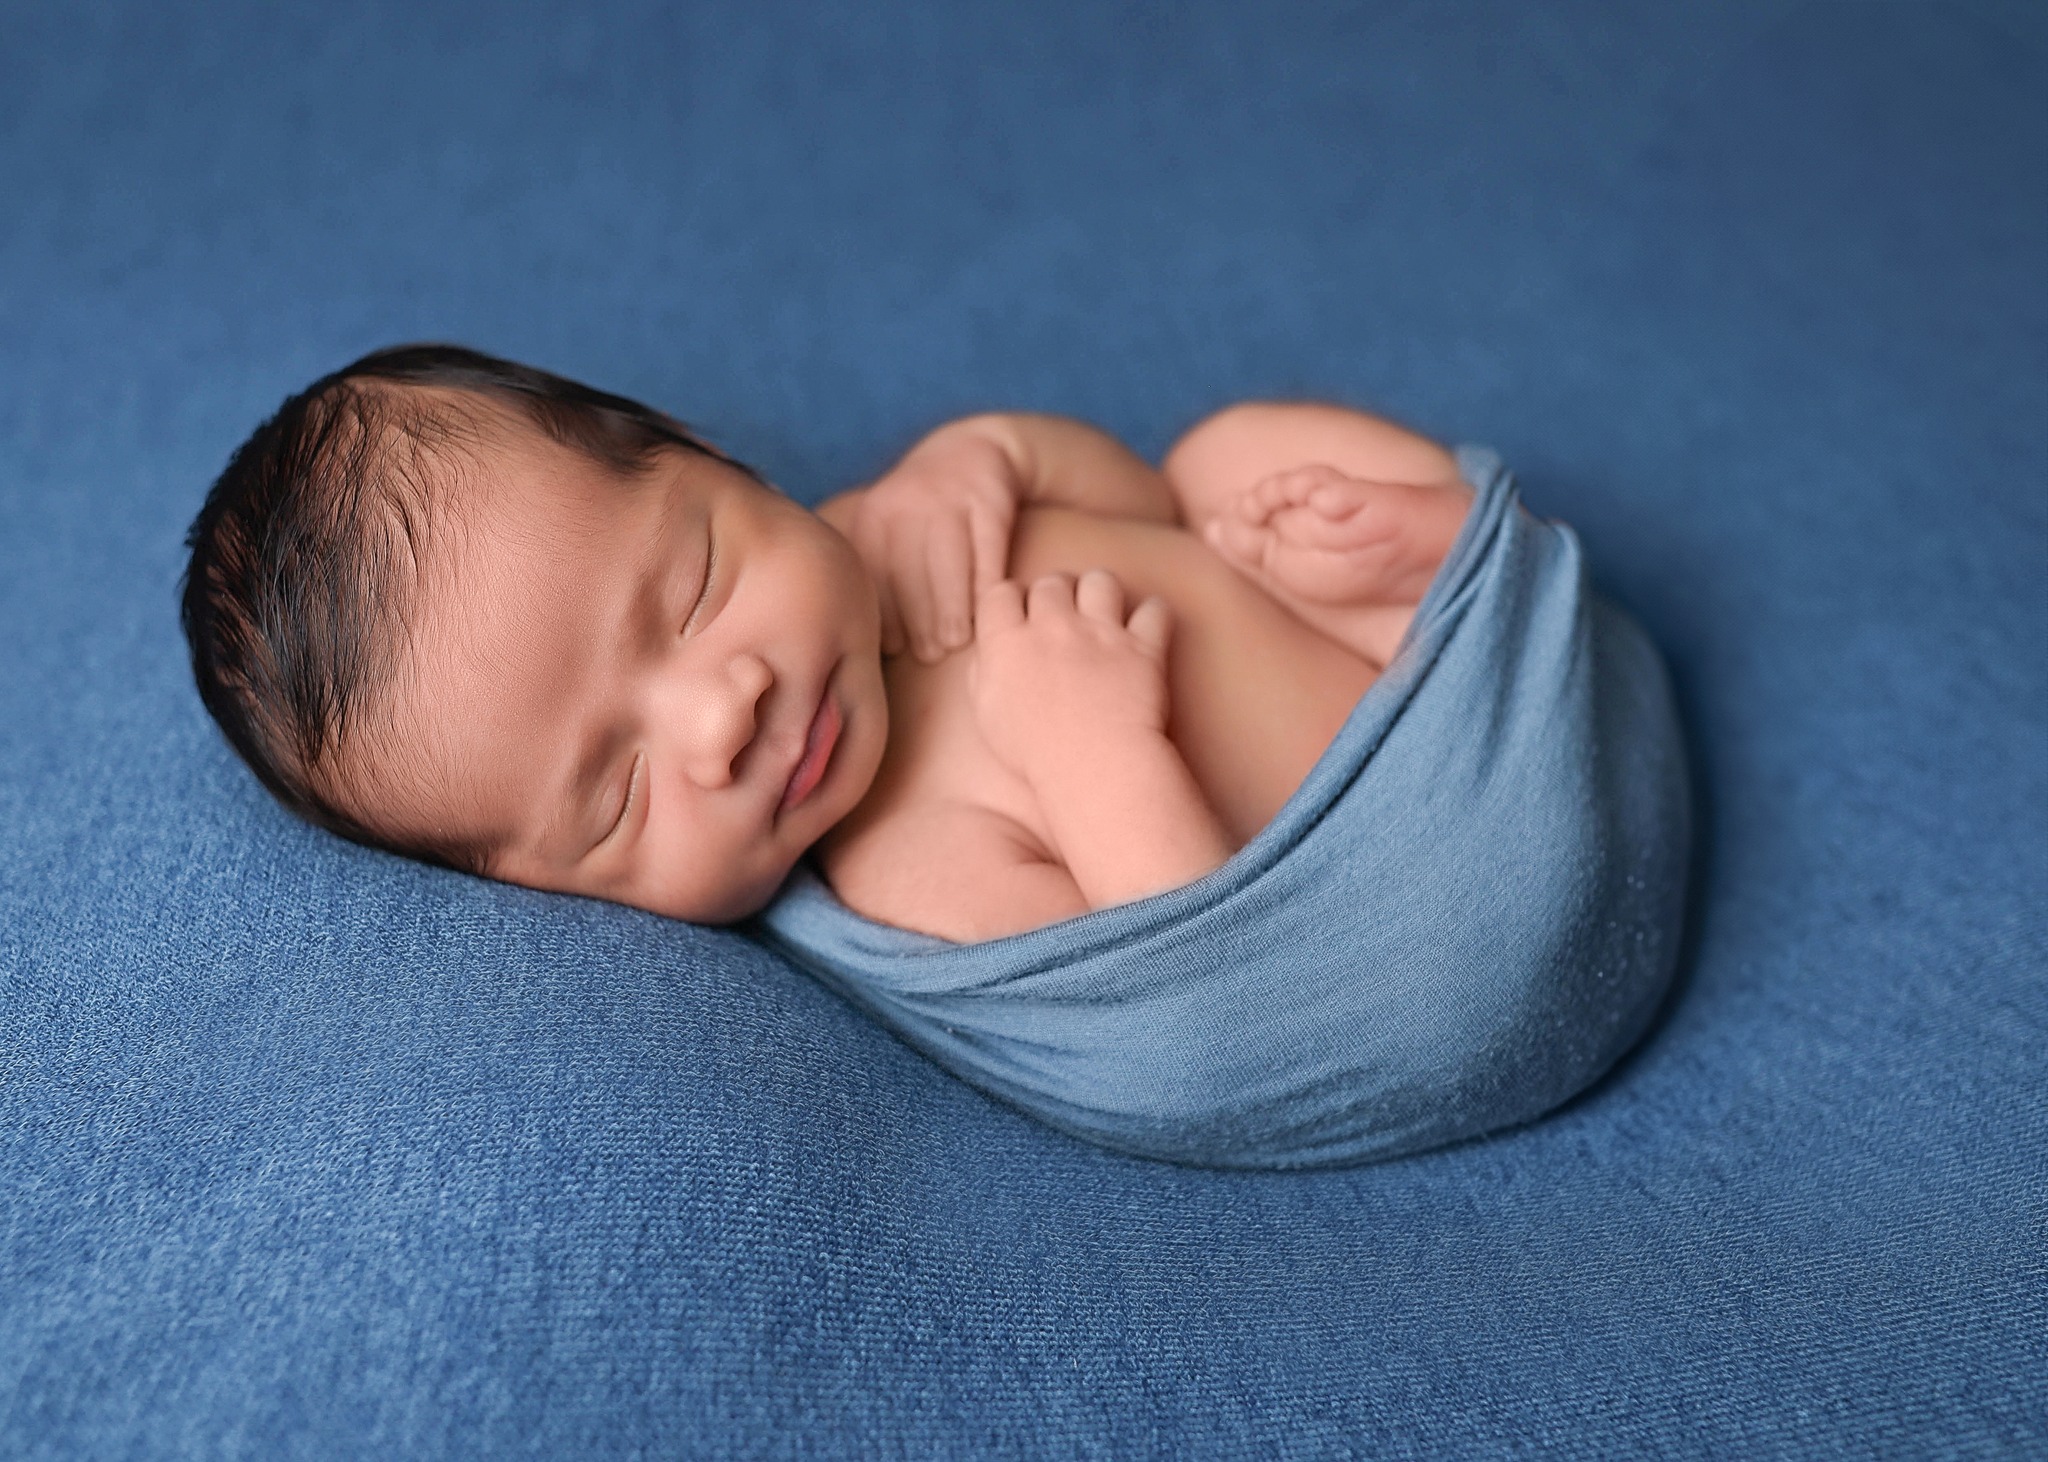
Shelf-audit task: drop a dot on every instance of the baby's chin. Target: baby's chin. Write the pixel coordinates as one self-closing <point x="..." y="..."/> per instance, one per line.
<point x="740" y="906"/>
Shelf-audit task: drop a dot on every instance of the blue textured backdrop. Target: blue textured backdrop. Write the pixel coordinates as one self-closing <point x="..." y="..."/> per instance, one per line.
<point x="308" y="1152"/>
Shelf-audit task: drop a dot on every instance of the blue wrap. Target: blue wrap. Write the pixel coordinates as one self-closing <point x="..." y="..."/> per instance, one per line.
<point x="1465" y="913"/>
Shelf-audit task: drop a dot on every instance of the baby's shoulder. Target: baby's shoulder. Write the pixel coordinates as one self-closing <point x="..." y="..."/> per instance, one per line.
<point x="956" y="869"/>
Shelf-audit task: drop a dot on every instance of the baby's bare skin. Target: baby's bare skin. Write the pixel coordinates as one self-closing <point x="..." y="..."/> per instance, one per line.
<point x="1155" y="675"/>
<point x="1022" y="676"/>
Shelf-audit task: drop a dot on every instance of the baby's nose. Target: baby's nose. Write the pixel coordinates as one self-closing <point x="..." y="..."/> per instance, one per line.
<point x="726" y="718"/>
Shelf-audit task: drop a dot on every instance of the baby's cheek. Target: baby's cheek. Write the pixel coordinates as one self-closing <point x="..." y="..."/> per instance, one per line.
<point x="699" y="871"/>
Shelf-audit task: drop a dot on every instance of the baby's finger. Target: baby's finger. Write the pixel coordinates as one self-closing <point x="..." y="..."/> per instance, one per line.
<point x="872" y="549"/>
<point x="911" y="577"/>
<point x="1152" y="623"/>
<point x="949" y="561"/>
<point x="1000" y="607"/>
<point x="1099" y="596"/>
<point x="1050" y="594"/>
<point x="990" y="527"/>
<point x="892" y="622"/>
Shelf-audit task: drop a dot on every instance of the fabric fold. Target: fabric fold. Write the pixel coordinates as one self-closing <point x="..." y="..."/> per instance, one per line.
<point x="1465" y="914"/>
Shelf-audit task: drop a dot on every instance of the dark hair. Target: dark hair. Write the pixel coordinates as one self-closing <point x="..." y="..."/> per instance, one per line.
<point x="309" y="540"/>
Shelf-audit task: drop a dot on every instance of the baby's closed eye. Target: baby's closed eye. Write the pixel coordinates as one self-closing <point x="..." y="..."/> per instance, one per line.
<point x="703" y="598"/>
<point x="628" y="799"/>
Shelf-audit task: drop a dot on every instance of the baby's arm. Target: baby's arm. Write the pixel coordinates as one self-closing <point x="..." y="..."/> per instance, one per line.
<point x="1056" y="461"/>
<point x="1072" y="696"/>
<point x="964" y="873"/>
<point x="934" y="530"/>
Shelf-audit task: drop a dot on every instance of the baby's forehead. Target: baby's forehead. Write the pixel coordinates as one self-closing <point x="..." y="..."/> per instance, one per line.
<point x="512" y="548"/>
<point x="515" y="585"/>
<point x="541" y="547"/>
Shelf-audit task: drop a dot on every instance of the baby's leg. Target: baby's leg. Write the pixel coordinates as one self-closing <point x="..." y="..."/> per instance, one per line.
<point x="1340" y="516"/>
<point x="1226" y="454"/>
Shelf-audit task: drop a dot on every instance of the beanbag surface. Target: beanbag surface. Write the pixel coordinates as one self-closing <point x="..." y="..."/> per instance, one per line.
<point x="308" y="1152"/>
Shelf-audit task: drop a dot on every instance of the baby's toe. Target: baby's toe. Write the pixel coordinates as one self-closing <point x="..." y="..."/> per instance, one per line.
<point x="1338" y="498"/>
<point x="1315" y="485"/>
<point x="1237" y="540"/>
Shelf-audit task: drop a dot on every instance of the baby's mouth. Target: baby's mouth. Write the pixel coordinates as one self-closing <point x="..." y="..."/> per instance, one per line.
<point x="819" y="743"/>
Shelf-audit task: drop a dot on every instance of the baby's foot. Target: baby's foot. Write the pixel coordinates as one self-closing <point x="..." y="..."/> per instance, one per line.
<point x="1352" y="558"/>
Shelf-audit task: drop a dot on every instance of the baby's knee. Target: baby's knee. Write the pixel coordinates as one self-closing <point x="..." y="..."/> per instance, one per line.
<point x="1225" y="454"/>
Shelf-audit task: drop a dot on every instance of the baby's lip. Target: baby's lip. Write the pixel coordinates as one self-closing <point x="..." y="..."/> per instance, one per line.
<point x="821" y="739"/>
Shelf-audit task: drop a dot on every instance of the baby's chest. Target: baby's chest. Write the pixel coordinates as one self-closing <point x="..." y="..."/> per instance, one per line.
<point x="1256" y="696"/>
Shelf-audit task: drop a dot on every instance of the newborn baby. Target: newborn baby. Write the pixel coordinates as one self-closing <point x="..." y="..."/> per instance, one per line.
<point x="475" y="613"/>
<point x="1412" y="794"/>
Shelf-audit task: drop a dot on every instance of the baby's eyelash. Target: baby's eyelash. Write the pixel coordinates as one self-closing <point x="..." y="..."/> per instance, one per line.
<point x="710" y="570"/>
<point x="626" y="805"/>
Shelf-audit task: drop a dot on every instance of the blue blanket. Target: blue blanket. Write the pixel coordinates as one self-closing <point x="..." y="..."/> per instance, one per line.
<point x="308" y="1153"/>
<point x="1466" y="912"/>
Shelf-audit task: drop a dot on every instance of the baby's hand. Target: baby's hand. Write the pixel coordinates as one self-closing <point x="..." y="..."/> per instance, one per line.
<point x="934" y="532"/>
<point x="1336" y="540"/>
<point x="1061" y="669"/>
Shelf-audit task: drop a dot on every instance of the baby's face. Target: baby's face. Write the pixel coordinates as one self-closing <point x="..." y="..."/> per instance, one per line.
<point x="658" y="691"/>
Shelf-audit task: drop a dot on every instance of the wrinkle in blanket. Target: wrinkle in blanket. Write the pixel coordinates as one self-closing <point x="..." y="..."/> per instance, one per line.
<point x="1464" y="915"/>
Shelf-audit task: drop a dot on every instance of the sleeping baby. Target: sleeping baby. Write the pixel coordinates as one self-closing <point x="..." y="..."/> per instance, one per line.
<point x="1291" y="804"/>
<point x="470" y="611"/>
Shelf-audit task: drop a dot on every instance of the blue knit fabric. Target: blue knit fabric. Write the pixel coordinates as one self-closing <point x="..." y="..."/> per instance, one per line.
<point x="1465" y="913"/>
<point x="309" y="1152"/>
